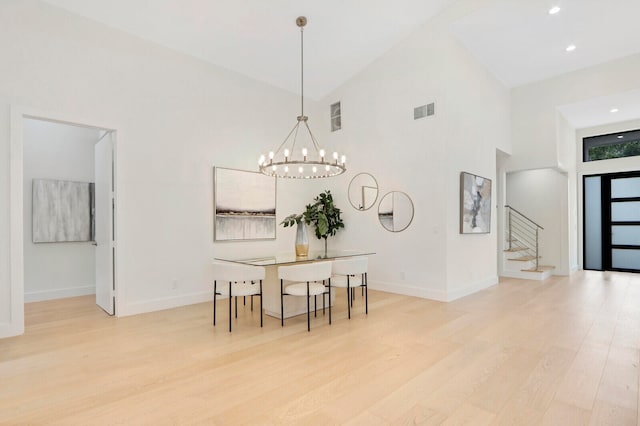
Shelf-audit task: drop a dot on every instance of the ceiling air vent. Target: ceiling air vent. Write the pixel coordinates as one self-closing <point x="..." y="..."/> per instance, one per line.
<point x="424" y="111"/>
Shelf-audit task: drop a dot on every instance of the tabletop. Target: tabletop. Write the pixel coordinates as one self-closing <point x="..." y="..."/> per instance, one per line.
<point x="289" y="257"/>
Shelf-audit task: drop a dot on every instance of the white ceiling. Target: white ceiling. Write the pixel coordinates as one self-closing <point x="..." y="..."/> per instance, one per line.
<point x="597" y="111"/>
<point x="260" y="39"/>
<point x="520" y="42"/>
<point x="516" y="39"/>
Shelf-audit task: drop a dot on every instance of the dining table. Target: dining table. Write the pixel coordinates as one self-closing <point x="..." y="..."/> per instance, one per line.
<point x="271" y="285"/>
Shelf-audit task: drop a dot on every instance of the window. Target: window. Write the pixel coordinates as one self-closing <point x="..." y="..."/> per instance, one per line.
<point x="615" y="145"/>
<point x="336" y="119"/>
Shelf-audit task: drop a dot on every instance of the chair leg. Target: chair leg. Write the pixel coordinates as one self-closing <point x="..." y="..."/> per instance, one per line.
<point x="366" y="294"/>
<point x="308" y="311"/>
<point x="281" y="304"/>
<point x="329" y="300"/>
<point x="230" y="297"/>
<point x="244" y="300"/>
<point x="252" y="299"/>
<point x="215" y="292"/>
<point x="323" y="302"/>
<point x="236" y="306"/>
<point x="260" y="303"/>
<point x="315" y="305"/>
<point x="349" y="294"/>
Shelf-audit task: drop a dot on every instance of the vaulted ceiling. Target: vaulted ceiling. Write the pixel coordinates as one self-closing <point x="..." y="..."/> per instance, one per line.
<point x="518" y="40"/>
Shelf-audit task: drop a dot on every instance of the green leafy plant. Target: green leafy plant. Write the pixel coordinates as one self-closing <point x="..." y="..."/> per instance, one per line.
<point x="322" y="214"/>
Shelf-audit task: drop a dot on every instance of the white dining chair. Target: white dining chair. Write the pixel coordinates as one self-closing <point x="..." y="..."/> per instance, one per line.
<point x="233" y="280"/>
<point x="350" y="273"/>
<point x="304" y="280"/>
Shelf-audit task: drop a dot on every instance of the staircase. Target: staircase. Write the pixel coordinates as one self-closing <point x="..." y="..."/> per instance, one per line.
<point x="521" y="257"/>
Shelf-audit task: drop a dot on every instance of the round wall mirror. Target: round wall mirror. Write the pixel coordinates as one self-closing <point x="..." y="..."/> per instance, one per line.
<point x="363" y="191"/>
<point x="395" y="211"/>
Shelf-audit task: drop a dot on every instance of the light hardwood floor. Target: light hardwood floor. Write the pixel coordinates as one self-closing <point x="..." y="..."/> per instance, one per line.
<point x="564" y="351"/>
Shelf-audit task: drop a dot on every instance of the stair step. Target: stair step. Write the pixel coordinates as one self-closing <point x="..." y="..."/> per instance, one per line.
<point x="515" y="249"/>
<point x="523" y="258"/>
<point x="541" y="269"/>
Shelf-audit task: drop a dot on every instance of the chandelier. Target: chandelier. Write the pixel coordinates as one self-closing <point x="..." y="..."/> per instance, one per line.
<point x="308" y="160"/>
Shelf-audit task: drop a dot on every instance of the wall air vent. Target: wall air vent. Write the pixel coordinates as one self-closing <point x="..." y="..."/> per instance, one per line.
<point x="424" y="111"/>
<point x="336" y="117"/>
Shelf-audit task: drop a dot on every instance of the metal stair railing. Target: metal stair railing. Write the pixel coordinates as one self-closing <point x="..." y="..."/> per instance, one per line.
<point x="522" y="234"/>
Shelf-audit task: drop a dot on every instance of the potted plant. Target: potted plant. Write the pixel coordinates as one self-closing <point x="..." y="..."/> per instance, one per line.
<point x="323" y="215"/>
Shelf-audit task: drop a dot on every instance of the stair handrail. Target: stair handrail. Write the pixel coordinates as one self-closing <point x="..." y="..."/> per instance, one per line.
<point x="538" y="227"/>
<point x="524" y="216"/>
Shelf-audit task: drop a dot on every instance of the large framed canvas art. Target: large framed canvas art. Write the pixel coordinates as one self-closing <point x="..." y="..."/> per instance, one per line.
<point x="62" y="211"/>
<point x="244" y="205"/>
<point x="475" y="204"/>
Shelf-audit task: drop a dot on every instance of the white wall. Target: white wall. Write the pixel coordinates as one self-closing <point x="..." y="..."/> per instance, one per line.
<point x="423" y="158"/>
<point x="176" y="117"/>
<point x="63" y="152"/>
<point x="534" y="108"/>
<point x="599" y="167"/>
<point x="542" y="195"/>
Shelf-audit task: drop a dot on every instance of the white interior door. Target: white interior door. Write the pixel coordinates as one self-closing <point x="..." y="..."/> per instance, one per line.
<point x="104" y="224"/>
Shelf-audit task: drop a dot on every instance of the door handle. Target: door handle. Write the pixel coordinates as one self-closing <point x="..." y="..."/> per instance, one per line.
<point x="94" y="243"/>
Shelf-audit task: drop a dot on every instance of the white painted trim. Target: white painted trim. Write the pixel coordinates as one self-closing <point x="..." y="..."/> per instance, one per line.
<point x="165" y="303"/>
<point x="575" y="268"/>
<point x="16" y="237"/>
<point x="58" y="293"/>
<point x="408" y="290"/>
<point x="473" y="288"/>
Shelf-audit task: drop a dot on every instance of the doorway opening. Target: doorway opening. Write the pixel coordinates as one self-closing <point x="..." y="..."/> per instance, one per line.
<point x="612" y="222"/>
<point x="56" y="260"/>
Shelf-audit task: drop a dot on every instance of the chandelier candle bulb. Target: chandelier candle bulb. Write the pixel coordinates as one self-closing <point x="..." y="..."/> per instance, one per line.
<point x="314" y="169"/>
<point x="286" y="169"/>
<point x="300" y="169"/>
<point x="343" y="159"/>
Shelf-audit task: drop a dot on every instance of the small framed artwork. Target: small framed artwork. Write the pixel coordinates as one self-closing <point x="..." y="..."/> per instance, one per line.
<point x="244" y="205"/>
<point x="475" y="204"/>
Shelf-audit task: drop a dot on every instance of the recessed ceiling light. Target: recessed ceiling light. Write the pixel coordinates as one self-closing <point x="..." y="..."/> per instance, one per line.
<point x="571" y="48"/>
<point x="614" y="110"/>
<point x="620" y="137"/>
<point x="554" y="10"/>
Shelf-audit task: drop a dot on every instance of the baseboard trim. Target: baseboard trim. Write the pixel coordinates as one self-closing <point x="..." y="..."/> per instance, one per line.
<point x="408" y="290"/>
<point x="473" y="288"/>
<point x="58" y="293"/>
<point x="163" y="303"/>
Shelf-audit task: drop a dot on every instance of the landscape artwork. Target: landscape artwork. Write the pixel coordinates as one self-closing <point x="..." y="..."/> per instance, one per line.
<point x="475" y="204"/>
<point x="244" y="205"/>
<point x="61" y="211"/>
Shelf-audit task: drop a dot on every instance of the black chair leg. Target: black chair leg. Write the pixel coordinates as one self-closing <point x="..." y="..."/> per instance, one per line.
<point x="329" y="300"/>
<point x="230" y="297"/>
<point x="252" y="298"/>
<point x="260" y="303"/>
<point x="215" y="292"/>
<point x="315" y="305"/>
<point x="244" y="300"/>
<point x="236" y="306"/>
<point x="308" y="310"/>
<point x="348" y="300"/>
<point x="366" y="295"/>
<point x="281" y="304"/>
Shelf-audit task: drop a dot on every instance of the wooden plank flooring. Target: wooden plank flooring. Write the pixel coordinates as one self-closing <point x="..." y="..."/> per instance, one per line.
<point x="563" y="351"/>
